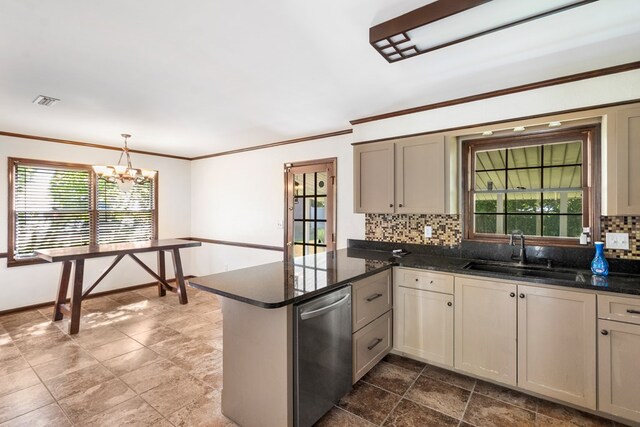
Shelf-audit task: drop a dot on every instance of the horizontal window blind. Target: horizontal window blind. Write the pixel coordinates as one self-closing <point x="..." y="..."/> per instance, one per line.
<point x="125" y="217"/>
<point x="51" y="207"/>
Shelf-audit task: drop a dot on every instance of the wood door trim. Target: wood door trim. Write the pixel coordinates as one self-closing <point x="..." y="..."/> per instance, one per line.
<point x="238" y="244"/>
<point x="507" y="91"/>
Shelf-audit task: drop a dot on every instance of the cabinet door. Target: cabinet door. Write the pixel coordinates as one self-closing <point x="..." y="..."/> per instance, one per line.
<point x="420" y="175"/>
<point x="373" y="171"/>
<point x="628" y="173"/>
<point x="619" y="376"/>
<point x="557" y="344"/>
<point x="423" y="325"/>
<point x="485" y="329"/>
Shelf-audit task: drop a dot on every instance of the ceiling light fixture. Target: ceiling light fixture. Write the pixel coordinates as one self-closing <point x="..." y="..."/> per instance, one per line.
<point x="46" y="101"/>
<point x="434" y="26"/>
<point x="487" y="133"/>
<point x="555" y="124"/>
<point x="124" y="175"/>
<point x="518" y="129"/>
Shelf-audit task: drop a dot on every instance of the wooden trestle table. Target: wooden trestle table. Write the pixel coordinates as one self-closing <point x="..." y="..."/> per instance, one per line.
<point x="77" y="255"/>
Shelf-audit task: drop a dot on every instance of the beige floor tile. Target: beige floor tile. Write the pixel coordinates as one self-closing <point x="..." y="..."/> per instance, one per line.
<point x="155" y="336"/>
<point x="13" y="364"/>
<point x="169" y="397"/>
<point x="133" y="412"/>
<point x="115" y="349"/>
<point x="95" y="400"/>
<point x="73" y="359"/>
<point x="17" y="381"/>
<point x="23" y="401"/>
<point x="78" y="381"/>
<point x="96" y="337"/>
<point x="203" y="412"/>
<point x="138" y="324"/>
<point x="44" y="349"/>
<point x="177" y="344"/>
<point x="153" y="375"/>
<point x="206" y="367"/>
<point x="47" y="416"/>
<point x="131" y="361"/>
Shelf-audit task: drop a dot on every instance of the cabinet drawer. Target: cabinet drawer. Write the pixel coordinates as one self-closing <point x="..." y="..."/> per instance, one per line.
<point x="371" y="344"/>
<point x="619" y="308"/>
<point x="371" y="298"/>
<point x="425" y="280"/>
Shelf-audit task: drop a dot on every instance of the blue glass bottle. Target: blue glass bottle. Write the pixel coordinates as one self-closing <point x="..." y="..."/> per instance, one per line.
<point x="599" y="265"/>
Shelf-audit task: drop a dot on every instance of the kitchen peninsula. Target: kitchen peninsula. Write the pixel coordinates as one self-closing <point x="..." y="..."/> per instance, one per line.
<point x="258" y="304"/>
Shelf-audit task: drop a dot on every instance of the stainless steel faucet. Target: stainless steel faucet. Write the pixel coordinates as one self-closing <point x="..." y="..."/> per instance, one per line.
<point x="523" y="251"/>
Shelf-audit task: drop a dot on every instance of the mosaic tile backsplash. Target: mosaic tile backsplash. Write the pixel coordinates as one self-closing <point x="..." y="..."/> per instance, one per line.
<point x="447" y="230"/>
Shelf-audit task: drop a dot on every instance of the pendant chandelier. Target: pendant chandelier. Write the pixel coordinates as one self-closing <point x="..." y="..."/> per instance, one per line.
<point x="124" y="175"/>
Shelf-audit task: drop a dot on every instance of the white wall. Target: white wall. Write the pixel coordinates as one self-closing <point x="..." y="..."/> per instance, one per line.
<point x="34" y="284"/>
<point x="240" y="197"/>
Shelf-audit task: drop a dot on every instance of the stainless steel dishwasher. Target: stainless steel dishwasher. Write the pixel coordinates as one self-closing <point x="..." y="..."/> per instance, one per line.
<point x="322" y="355"/>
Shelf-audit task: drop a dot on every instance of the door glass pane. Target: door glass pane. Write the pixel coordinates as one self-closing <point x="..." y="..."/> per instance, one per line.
<point x="321" y="208"/>
<point x="298" y="203"/>
<point x="298" y="236"/>
<point x="321" y="233"/>
<point x="310" y="208"/>
<point x="321" y="188"/>
<point x="298" y="184"/>
<point x="298" y="250"/>
<point x="310" y="184"/>
<point x="310" y="232"/>
<point x="320" y="249"/>
<point x="309" y="250"/>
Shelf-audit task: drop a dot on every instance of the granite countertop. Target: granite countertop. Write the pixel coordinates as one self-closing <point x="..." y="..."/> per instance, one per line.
<point x="282" y="283"/>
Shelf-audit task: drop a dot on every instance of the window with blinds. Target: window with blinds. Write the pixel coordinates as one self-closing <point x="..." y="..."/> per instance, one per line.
<point x="125" y="217"/>
<point x="55" y="205"/>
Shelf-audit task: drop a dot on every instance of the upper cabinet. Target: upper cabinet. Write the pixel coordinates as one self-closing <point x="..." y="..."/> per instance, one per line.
<point x="624" y="152"/>
<point x="405" y="176"/>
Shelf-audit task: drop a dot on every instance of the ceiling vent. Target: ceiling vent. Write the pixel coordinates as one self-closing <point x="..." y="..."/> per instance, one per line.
<point x="47" y="101"/>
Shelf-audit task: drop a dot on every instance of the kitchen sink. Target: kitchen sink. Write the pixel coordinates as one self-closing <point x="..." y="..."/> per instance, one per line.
<point x="526" y="271"/>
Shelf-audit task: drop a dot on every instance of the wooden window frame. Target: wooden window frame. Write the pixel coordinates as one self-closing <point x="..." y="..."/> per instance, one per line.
<point x="93" y="212"/>
<point x="591" y="182"/>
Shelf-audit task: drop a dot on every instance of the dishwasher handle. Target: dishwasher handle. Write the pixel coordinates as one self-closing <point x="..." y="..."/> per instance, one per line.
<point x="319" y="312"/>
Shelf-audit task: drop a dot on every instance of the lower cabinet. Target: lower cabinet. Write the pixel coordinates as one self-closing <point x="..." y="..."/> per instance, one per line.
<point x="539" y="339"/>
<point x="423" y="322"/>
<point x="557" y="344"/>
<point x="619" y="356"/>
<point x="485" y="329"/>
<point x="372" y="318"/>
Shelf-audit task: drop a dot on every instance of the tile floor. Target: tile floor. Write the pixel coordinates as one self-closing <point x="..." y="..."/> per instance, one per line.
<point x="140" y="360"/>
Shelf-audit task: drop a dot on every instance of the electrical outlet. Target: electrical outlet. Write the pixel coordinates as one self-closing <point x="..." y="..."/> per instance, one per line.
<point x="617" y="241"/>
<point x="428" y="231"/>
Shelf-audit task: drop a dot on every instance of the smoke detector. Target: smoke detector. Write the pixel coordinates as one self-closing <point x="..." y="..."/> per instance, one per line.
<point x="47" y="101"/>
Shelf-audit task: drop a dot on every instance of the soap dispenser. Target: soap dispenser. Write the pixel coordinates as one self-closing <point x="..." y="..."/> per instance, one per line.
<point x="599" y="265"/>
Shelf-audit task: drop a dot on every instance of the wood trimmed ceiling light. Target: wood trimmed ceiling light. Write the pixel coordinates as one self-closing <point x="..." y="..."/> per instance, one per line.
<point x="420" y="31"/>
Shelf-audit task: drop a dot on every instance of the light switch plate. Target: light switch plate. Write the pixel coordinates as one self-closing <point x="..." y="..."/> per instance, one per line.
<point x="617" y="241"/>
<point x="428" y="231"/>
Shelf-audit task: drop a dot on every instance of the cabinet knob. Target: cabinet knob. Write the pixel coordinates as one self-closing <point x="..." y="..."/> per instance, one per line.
<point x="431" y="282"/>
<point x="521" y="295"/>
<point x="512" y="294"/>
<point x="449" y="303"/>
<point x="400" y="205"/>
<point x="390" y="205"/>
<point x="417" y="280"/>
<point x="604" y="332"/>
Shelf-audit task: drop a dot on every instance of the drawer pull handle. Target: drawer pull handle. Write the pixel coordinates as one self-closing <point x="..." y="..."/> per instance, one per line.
<point x="630" y="311"/>
<point x="373" y="297"/>
<point x="375" y="343"/>
<point x="604" y="332"/>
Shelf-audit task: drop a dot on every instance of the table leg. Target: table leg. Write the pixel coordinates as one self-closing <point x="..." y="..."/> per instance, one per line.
<point x="177" y="267"/>
<point x="162" y="273"/>
<point x="76" y="296"/>
<point x="62" y="290"/>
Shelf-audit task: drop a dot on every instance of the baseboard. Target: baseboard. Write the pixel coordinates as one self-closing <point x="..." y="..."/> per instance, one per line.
<point x="95" y="295"/>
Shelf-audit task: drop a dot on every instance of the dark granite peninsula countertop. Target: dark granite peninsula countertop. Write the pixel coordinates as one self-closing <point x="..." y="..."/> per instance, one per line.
<point x="282" y="283"/>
